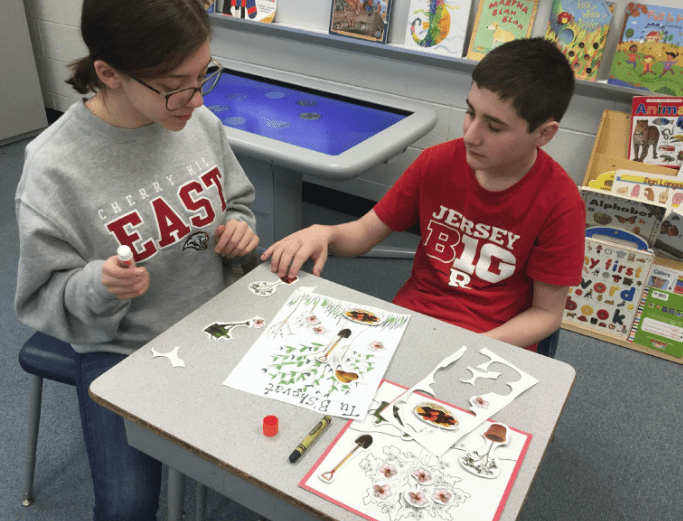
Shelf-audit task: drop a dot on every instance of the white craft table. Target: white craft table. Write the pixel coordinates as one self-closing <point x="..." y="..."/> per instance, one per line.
<point x="187" y="419"/>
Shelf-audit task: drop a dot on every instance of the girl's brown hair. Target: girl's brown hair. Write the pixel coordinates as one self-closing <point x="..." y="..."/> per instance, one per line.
<point x="141" y="38"/>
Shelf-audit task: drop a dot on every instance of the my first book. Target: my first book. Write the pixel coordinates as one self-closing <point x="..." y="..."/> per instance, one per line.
<point x="579" y="29"/>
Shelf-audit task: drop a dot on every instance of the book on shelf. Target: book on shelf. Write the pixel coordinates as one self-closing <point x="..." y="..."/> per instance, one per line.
<point x="613" y="277"/>
<point x="579" y="29"/>
<point x="362" y="19"/>
<point x="648" y="55"/>
<point x="256" y="10"/>
<point x="641" y="218"/>
<point x="660" y="188"/>
<point x="669" y="242"/>
<point x="498" y="22"/>
<point x="438" y="27"/>
<point x="658" y="323"/>
<point x="657" y="130"/>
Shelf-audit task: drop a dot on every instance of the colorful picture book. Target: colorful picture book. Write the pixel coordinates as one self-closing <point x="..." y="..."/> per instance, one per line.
<point x="364" y="19"/>
<point x="663" y="189"/>
<point x="374" y="471"/>
<point x="498" y="22"/>
<point x="669" y="242"/>
<point x="648" y="55"/>
<point x="613" y="279"/>
<point x="257" y="10"/>
<point x="657" y="131"/>
<point x="628" y="213"/>
<point x="438" y="27"/>
<point x="579" y="29"/>
<point x="659" y="322"/>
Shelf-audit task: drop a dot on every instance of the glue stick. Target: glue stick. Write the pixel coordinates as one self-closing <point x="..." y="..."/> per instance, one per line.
<point x="125" y="255"/>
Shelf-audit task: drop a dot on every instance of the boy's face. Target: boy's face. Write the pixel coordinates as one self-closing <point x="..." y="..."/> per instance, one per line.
<point x="497" y="140"/>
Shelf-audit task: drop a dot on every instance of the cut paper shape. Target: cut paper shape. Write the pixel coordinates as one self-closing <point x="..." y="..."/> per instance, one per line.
<point x="378" y="484"/>
<point x="481" y="462"/>
<point x="176" y="361"/>
<point x="224" y="330"/>
<point x="362" y="442"/>
<point x="314" y="355"/>
<point x="476" y="374"/>
<point x="266" y="289"/>
<point x="439" y="441"/>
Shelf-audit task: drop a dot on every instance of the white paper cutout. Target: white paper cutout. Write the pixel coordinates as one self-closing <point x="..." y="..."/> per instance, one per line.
<point x="315" y="354"/>
<point x="397" y="480"/>
<point x="481" y="462"/>
<point x="216" y="331"/>
<point x="176" y="361"/>
<point x="476" y="374"/>
<point x="266" y="289"/>
<point x="437" y="439"/>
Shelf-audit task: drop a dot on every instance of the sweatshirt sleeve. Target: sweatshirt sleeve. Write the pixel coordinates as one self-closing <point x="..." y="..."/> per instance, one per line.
<point x="240" y="192"/>
<point x="58" y="291"/>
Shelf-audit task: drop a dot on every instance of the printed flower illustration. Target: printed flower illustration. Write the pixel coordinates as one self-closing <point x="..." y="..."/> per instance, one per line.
<point x="312" y="320"/>
<point x="376" y="346"/>
<point x="442" y="495"/>
<point x="258" y="322"/>
<point x="480" y="402"/>
<point x="417" y="498"/>
<point x="319" y="330"/>
<point x="422" y="475"/>
<point x="382" y="491"/>
<point x="387" y="470"/>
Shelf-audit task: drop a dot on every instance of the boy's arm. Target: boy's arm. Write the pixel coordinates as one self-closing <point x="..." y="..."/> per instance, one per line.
<point x="539" y="321"/>
<point x="316" y="242"/>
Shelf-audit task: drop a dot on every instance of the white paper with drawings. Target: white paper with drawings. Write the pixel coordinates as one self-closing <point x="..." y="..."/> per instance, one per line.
<point x="321" y="353"/>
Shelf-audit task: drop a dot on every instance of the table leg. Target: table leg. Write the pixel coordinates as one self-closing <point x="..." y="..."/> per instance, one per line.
<point x="176" y="489"/>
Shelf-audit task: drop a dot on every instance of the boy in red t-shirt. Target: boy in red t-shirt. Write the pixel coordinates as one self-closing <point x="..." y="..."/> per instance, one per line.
<point x="502" y="224"/>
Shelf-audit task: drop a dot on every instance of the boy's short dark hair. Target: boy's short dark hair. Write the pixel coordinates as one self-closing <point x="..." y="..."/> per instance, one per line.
<point x="533" y="73"/>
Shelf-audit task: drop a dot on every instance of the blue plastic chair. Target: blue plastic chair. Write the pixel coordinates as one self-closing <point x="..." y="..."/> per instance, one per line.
<point x="548" y="346"/>
<point x="42" y="356"/>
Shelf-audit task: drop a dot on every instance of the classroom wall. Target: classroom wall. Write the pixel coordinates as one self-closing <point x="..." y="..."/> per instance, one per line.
<point x="53" y="25"/>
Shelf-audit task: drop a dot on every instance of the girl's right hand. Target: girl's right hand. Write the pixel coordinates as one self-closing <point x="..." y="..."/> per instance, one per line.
<point x="124" y="282"/>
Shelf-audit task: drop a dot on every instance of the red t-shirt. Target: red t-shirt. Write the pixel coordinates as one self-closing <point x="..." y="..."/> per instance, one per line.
<point x="481" y="251"/>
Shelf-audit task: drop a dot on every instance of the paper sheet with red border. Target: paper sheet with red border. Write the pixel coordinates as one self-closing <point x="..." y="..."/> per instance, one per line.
<point x="395" y="478"/>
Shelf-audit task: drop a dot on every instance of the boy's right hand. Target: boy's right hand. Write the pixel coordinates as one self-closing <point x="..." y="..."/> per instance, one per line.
<point x="124" y="282"/>
<point x="289" y="254"/>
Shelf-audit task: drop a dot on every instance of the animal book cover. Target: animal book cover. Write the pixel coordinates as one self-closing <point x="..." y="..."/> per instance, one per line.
<point x="363" y="19"/>
<point x="612" y="282"/>
<point x="658" y="323"/>
<point x="648" y="55"/>
<point x="657" y="131"/>
<point x="498" y="22"/>
<point x="627" y="213"/>
<point x="579" y="29"/>
<point x="438" y="26"/>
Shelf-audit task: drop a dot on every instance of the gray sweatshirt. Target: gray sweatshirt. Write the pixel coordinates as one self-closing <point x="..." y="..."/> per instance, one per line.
<point x="88" y="187"/>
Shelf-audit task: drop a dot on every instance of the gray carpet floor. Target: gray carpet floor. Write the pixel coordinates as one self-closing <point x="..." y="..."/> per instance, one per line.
<point x="616" y="454"/>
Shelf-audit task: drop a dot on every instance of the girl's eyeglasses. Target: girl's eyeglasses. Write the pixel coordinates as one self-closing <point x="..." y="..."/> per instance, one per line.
<point x="177" y="99"/>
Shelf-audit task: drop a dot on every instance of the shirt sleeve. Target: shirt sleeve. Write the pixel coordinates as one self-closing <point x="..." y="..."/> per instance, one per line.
<point x="58" y="292"/>
<point x="558" y="255"/>
<point x="399" y="209"/>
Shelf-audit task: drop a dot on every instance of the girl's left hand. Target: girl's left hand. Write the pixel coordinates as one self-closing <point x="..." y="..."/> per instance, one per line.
<point x="235" y="239"/>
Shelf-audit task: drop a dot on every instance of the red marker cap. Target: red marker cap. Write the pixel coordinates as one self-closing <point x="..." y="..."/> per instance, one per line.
<point x="270" y="425"/>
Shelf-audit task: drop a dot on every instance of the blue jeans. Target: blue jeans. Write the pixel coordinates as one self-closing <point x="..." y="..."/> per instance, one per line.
<point x="126" y="481"/>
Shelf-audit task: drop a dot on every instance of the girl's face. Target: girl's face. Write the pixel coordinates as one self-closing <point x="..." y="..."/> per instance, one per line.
<point x="144" y="106"/>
